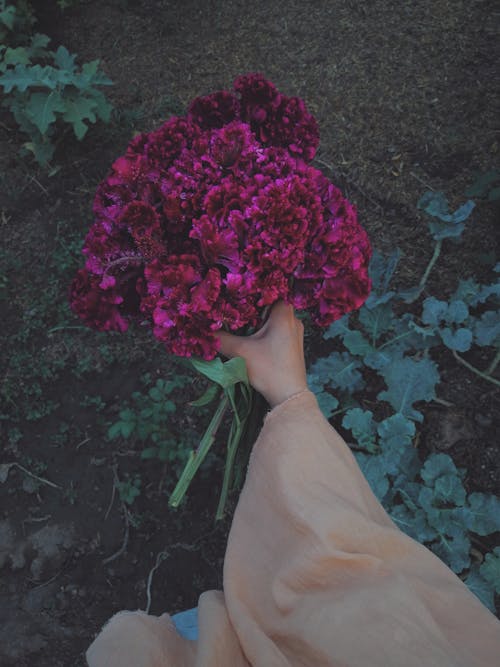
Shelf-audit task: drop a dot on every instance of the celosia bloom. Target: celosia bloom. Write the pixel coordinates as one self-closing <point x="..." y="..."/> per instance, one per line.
<point x="216" y="215"/>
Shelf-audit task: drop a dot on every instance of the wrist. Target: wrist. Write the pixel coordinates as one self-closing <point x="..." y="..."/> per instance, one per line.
<point x="281" y="396"/>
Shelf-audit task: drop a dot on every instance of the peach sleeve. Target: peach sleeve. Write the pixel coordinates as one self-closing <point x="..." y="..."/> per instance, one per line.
<point x="315" y="574"/>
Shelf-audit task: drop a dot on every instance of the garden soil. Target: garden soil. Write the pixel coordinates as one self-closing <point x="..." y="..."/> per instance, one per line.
<point x="405" y="99"/>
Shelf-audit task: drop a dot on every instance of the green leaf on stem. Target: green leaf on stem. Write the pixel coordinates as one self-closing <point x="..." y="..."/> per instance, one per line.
<point x="448" y="225"/>
<point x="409" y="381"/>
<point x="226" y="373"/>
<point x="490" y="569"/>
<point x="339" y="370"/>
<point x="206" y="398"/>
<point x="481" y="587"/>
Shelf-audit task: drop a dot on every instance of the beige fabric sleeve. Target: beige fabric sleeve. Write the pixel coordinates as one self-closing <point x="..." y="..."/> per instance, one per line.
<point x="315" y="574"/>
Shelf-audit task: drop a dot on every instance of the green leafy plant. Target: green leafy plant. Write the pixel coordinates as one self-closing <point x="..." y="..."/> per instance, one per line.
<point x="230" y="383"/>
<point x="387" y="344"/>
<point x="129" y="489"/>
<point x="148" y="418"/>
<point x="486" y="186"/>
<point x="46" y="91"/>
<point x="16" y="21"/>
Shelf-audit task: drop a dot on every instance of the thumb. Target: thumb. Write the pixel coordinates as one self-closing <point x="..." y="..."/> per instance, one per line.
<point x="230" y="345"/>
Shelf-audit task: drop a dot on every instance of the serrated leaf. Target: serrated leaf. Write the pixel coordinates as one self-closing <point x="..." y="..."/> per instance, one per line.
<point x="388" y="354"/>
<point x="90" y="76"/>
<point x="396" y="430"/>
<point x="226" y="374"/>
<point x="473" y="293"/>
<point x="408" y="464"/>
<point x="413" y="523"/>
<point x="481" y="588"/>
<point x="409" y="381"/>
<point x="327" y="403"/>
<point x="409" y="492"/>
<point x="77" y="110"/>
<point x="338" y="328"/>
<point x="456" y="312"/>
<point x="488" y="291"/>
<point x="490" y="569"/>
<point x="487" y="329"/>
<point x="352" y="339"/>
<point x="484" y="515"/>
<point x="16" y="56"/>
<point x="103" y="108"/>
<point x="377" y="300"/>
<point x="363" y="428"/>
<point x="433" y="311"/>
<point x="449" y="225"/>
<point x="446" y="225"/>
<point x="357" y="344"/>
<point x="339" y="370"/>
<point x="468" y="291"/>
<point x="437" y="465"/>
<point x="376" y="321"/>
<point x="372" y="467"/>
<point x="395" y="443"/>
<point x="22" y="77"/>
<point x="459" y="340"/>
<point x="41" y="109"/>
<point x="38" y="46"/>
<point x="449" y="489"/>
<point x="64" y="59"/>
<point x="411" y="336"/>
<point x="382" y="268"/>
<point x="454" y="550"/>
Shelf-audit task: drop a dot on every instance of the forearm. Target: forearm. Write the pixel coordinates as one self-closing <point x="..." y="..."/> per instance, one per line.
<point x="311" y="545"/>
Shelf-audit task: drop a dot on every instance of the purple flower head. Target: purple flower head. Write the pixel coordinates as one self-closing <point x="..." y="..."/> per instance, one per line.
<point x="213" y="217"/>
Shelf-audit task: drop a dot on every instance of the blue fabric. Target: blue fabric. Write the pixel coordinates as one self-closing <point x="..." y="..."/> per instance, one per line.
<point x="186" y="623"/>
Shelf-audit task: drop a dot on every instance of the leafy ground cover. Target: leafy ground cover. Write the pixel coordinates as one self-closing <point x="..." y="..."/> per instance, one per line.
<point x="85" y="475"/>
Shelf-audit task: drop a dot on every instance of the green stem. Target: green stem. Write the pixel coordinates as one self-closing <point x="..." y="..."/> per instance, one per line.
<point x="434" y="258"/>
<point x="475" y="370"/>
<point x="242" y="407"/>
<point x="393" y="340"/>
<point x="196" y="457"/>
<point x="430" y="266"/>
<point x="494" y="364"/>
<point x="232" y="448"/>
<point x="64" y="328"/>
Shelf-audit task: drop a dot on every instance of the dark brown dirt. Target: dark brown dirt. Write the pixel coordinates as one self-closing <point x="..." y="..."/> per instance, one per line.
<point x="405" y="99"/>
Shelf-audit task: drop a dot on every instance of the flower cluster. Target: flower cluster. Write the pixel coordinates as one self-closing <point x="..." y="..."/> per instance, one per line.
<point x="214" y="216"/>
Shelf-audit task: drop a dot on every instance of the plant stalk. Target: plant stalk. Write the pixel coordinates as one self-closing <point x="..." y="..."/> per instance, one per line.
<point x="494" y="364"/>
<point x="475" y="370"/>
<point x="430" y="266"/>
<point x="232" y="448"/>
<point x="242" y="411"/>
<point x="197" y="457"/>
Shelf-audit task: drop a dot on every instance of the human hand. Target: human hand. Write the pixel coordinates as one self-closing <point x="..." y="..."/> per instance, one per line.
<point x="274" y="355"/>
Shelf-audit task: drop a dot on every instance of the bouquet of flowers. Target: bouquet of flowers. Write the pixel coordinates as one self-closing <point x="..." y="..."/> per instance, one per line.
<point x="206" y="222"/>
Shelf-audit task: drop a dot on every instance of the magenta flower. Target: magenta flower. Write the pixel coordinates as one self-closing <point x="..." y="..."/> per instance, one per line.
<point x="209" y="219"/>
